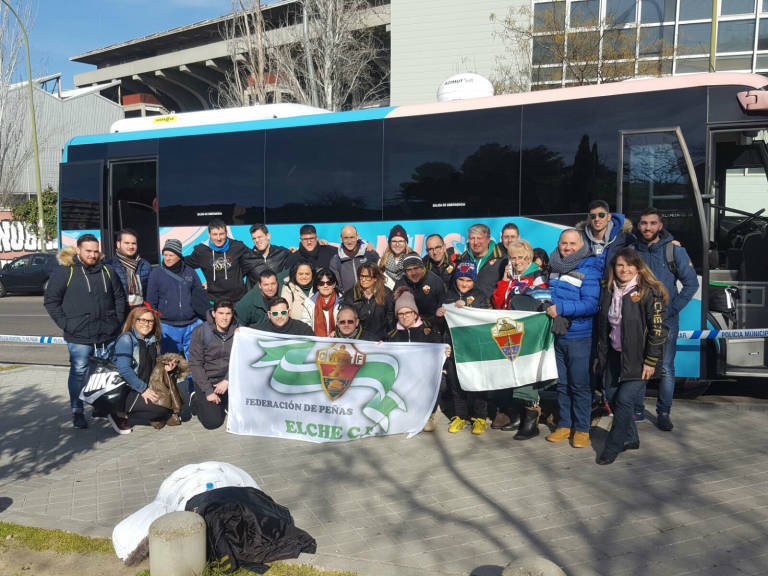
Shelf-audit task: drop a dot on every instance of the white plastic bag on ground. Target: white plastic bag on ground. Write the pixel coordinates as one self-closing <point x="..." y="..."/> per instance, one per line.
<point x="172" y="496"/>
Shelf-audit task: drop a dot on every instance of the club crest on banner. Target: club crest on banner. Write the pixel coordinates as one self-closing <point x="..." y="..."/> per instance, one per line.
<point x="508" y="335"/>
<point x="338" y="365"/>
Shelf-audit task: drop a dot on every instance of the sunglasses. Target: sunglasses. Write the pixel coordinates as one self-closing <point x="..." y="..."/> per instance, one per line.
<point x="344" y="322"/>
<point x="278" y="313"/>
<point x="365" y="276"/>
<point x="597" y="215"/>
<point x="326" y="283"/>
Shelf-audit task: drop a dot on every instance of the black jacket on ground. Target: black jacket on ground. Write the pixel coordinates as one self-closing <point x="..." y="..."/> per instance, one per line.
<point x="320" y="257"/>
<point x="296" y="327"/>
<point x="643" y="332"/>
<point x="209" y="361"/>
<point x="86" y="302"/>
<point x="224" y="271"/>
<point x="376" y="319"/>
<point x="245" y="528"/>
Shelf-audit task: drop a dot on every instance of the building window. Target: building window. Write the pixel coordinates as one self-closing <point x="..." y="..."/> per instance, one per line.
<point x="737" y="7"/>
<point x="762" y="62"/>
<point x="762" y="35"/>
<point x="620" y="12"/>
<point x="585" y="13"/>
<point x="688" y="65"/>
<point x="657" y="40"/>
<point x="654" y="68"/>
<point x="735" y="35"/>
<point x="695" y="10"/>
<point x="549" y="16"/>
<point x="725" y="63"/>
<point x="546" y="50"/>
<point x="693" y="38"/>
<point x="658" y="10"/>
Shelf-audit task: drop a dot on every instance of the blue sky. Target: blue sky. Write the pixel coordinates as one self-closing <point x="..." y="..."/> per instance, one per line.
<point x="66" y="28"/>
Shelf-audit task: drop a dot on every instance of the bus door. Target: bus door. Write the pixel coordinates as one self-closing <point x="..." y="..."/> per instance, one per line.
<point x="655" y="170"/>
<point x="132" y="203"/>
<point x="739" y="235"/>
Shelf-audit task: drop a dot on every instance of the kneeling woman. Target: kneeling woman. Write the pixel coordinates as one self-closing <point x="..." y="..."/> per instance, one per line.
<point x="153" y="398"/>
<point x="631" y="336"/>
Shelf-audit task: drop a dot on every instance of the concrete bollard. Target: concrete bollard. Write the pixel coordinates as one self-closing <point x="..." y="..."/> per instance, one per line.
<point x="177" y="545"/>
<point x="531" y="566"/>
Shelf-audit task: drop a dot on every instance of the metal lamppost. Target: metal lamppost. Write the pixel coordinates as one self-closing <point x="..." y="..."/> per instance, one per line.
<point x="40" y="221"/>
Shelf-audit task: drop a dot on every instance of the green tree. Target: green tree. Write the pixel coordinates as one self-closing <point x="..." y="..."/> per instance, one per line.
<point x="27" y="212"/>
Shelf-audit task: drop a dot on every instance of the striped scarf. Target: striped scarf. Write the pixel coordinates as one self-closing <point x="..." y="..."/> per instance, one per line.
<point x="132" y="280"/>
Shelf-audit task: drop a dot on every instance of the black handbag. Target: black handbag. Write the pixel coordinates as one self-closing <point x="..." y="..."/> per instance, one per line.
<point x="104" y="388"/>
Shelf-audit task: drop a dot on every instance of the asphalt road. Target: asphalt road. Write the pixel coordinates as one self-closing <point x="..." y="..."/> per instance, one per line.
<point x="25" y="316"/>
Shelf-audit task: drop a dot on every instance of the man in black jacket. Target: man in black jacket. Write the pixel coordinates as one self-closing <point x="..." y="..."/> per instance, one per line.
<point x="209" y="351"/>
<point x="268" y="256"/>
<point x="224" y="262"/>
<point x="489" y="258"/>
<point x="86" y="300"/>
<point x="311" y="251"/>
<point x="281" y="322"/>
<point x="427" y="289"/>
<point x="439" y="260"/>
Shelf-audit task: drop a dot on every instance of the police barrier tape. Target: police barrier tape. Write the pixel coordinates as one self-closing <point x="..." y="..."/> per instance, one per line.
<point x="682" y="335"/>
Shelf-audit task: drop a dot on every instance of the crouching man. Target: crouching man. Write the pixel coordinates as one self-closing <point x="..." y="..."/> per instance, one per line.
<point x="209" y="351"/>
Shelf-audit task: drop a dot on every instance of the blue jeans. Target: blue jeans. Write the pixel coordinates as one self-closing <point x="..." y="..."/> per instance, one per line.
<point x="666" y="373"/>
<point x="78" y="367"/>
<point x="624" y="428"/>
<point x="574" y="393"/>
<point x="176" y="338"/>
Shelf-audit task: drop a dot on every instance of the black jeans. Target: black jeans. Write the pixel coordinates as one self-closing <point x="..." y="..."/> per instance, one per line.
<point x="142" y="413"/>
<point x="211" y="415"/>
<point x="622" y="397"/>
<point x="465" y="404"/>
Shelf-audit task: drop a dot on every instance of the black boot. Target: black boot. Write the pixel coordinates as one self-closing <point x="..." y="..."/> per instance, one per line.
<point x="529" y="422"/>
<point x="514" y="419"/>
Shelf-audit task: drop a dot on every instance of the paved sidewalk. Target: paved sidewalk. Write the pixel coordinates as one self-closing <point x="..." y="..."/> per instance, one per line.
<point x="688" y="502"/>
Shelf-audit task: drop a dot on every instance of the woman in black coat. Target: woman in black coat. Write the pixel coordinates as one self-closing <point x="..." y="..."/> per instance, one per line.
<point x="373" y="301"/>
<point x="631" y="336"/>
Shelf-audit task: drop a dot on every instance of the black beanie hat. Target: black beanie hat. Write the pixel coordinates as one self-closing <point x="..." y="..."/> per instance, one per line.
<point x="397" y="232"/>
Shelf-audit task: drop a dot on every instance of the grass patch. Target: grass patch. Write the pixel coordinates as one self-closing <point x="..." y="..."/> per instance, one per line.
<point x="276" y="569"/>
<point x="57" y="541"/>
<point x="7" y="367"/>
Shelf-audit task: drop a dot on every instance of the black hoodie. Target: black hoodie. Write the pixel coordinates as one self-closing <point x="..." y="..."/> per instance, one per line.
<point x="224" y="270"/>
<point x="320" y="257"/>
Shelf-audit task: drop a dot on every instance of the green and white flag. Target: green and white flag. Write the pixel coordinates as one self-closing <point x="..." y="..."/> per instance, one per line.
<point x="497" y="349"/>
<point x="329" y="389"/>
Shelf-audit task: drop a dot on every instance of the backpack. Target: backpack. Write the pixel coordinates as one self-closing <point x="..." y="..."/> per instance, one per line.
<point x="669" y="258"/>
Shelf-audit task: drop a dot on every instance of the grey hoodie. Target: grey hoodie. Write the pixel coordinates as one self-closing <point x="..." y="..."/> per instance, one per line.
<point x="210" y="363"/>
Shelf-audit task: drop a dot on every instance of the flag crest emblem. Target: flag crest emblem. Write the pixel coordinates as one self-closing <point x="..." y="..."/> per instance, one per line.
<point x="508" y="335"/>
<point x="338" y="365"/>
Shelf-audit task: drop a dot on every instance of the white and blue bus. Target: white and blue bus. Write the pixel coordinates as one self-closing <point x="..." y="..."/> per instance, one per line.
<point x="695" y="147"/>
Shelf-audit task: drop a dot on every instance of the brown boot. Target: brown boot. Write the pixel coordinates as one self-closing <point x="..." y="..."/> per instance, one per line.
<point x="580" y="440"/>
<point x="431" y="424"/>
<point x="500" y="420"/>
<point x="559" y="435"/>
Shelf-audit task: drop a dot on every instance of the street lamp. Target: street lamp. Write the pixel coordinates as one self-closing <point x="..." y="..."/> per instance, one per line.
<point x="40" y="222"/>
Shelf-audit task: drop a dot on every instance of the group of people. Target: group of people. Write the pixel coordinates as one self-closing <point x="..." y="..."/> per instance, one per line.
<point x="612" y="296"/>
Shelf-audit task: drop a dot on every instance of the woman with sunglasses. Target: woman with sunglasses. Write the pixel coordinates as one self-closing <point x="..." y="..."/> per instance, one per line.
<point x="373" y="301"/>
<point x="321" y="309"/>
<point x="297" y="287"/>
<point x="280" y="321"/>
<point x="136" y="353"/>
<point x="391" y="262"/>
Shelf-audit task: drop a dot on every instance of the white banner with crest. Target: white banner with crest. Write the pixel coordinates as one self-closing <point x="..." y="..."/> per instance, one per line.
<point x="330" y="390"/>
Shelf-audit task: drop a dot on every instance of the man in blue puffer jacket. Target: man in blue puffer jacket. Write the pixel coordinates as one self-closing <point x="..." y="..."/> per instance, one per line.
<point x="652" y="247"/>
<point x="176" y="293"/>
<point x="575" y="284"/>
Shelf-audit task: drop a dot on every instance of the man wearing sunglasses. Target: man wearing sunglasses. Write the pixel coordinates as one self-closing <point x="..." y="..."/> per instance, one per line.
<point x="281" y="322"/>
<point x="348" y="325"/>
<point x="606" y="233"/>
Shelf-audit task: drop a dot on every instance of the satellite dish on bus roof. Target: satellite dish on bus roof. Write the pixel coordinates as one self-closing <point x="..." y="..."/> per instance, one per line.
<point x="463" y="86"/>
